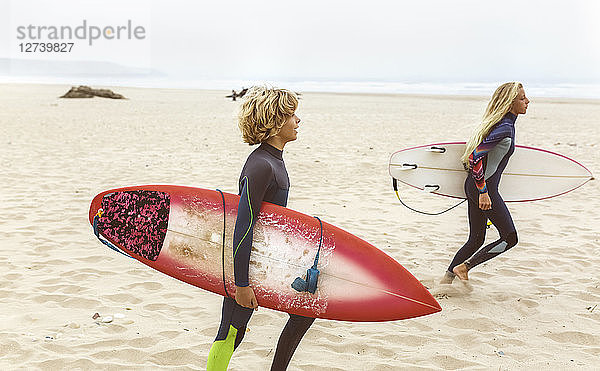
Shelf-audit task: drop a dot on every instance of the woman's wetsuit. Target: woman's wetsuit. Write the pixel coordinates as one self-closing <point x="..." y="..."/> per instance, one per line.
<point x="263" y="178"/>
<point x="487" y="162"/>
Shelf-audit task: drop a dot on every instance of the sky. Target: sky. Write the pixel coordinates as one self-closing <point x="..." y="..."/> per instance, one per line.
<point x="429" y="41"/>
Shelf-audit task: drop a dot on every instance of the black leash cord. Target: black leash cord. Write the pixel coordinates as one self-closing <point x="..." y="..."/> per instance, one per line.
<point x="320" y="243"/>
<point x="395" y="185"/>
<point x="97" y="233"/>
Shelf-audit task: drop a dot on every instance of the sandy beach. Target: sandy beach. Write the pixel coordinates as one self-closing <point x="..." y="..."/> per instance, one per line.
<point x="535" y="307"/>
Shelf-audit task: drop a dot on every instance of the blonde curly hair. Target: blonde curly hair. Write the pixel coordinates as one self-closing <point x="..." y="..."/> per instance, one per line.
<point x="264" y="112"/>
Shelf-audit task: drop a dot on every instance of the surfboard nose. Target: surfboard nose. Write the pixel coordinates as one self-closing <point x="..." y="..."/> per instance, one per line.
<point x="428" y="301"/>
<point x="387" y="304"/>
<point x="135" y="220"/>
<point x="410" y="299"/>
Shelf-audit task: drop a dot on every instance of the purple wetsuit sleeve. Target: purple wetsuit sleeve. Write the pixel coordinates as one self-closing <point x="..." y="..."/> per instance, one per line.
<point x="479" y="154"/>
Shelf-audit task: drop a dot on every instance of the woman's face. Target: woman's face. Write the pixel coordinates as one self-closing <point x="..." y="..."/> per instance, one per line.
<point x="519" y="105"/>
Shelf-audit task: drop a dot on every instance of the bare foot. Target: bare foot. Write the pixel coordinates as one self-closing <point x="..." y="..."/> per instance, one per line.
<point x="461" y="271"/>
<point x="448" y="278"/>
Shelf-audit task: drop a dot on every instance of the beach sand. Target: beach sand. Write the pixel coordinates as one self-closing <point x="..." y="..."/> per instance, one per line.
<point x="535" y="307"/>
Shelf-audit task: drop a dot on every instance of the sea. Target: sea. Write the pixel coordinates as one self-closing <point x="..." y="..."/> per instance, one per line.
<point x="533" y="89"/>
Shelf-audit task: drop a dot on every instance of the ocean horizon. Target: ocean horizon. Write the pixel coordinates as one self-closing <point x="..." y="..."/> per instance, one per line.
<point x="541" y="90"/>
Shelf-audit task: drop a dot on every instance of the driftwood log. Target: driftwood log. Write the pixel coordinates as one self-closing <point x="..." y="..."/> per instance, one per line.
<point x="235" y="95"/>
<point x="87" y="92"/>
<point x="243" y="92"/>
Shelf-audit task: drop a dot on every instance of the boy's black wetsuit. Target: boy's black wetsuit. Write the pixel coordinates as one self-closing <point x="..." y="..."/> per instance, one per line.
<point x="263" y="178"/>
<point x="487" y="162"/>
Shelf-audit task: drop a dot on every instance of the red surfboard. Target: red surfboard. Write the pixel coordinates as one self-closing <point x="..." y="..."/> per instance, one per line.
<point x="187" y="233"/>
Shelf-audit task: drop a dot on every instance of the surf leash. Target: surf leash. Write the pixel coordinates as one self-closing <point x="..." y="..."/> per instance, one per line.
<point x="223" y="247"/>
<point x="312" y="274"/>
<point x="97" y="233"/>
<point x="395" y="185"/>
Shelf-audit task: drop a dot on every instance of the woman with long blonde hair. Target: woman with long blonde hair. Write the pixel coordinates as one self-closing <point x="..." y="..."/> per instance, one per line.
<point x="487" y="154"/>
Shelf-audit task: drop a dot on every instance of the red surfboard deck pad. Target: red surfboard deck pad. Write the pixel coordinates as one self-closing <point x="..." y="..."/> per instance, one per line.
<point x="136" y="220"/>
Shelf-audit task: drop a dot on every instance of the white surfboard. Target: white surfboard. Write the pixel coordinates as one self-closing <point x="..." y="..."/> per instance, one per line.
<point x="531" y="173"/>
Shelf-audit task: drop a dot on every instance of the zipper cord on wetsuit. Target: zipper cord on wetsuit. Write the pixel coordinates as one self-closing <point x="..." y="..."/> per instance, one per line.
<point x="223" y="247"/>
<point x="395" y="185"/>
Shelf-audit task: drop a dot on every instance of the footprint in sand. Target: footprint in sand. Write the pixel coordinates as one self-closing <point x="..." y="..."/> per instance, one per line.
<point x="528" y="303"/>
<point x="457" y="288"/>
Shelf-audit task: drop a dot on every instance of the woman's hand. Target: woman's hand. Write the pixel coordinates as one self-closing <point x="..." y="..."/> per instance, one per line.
<point x="484" y="201"/>
<point x="245" y="297"/>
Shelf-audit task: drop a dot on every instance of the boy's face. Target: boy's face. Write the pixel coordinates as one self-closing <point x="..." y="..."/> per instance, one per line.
<point x="288" y="131"/>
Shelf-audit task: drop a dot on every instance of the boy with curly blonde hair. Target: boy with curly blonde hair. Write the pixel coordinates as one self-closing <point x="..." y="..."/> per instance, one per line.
<point x="267" y="117"/>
